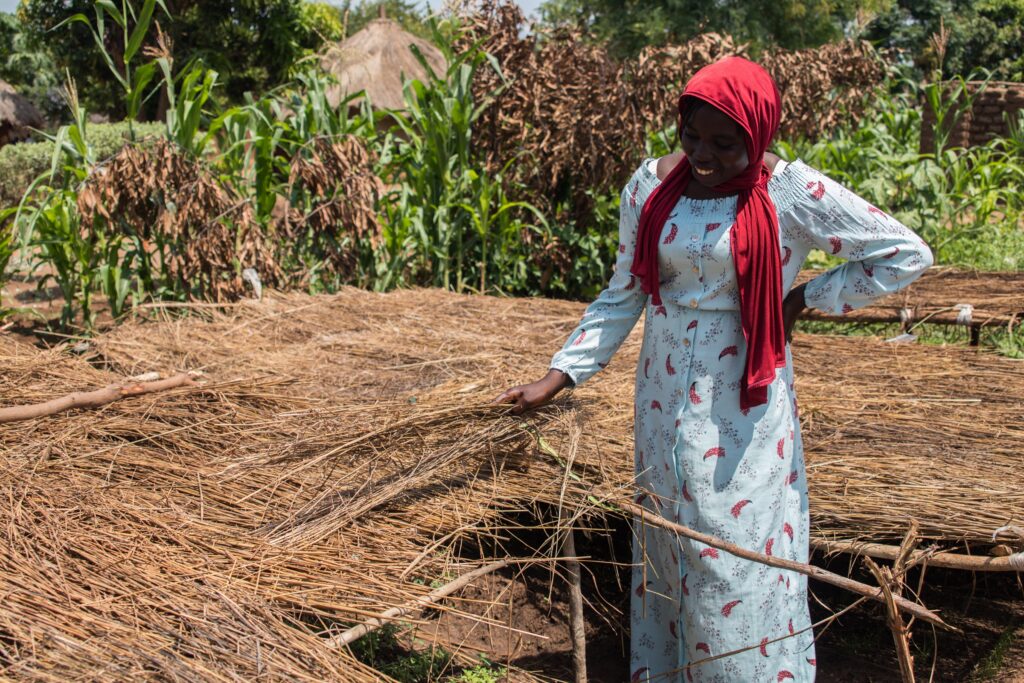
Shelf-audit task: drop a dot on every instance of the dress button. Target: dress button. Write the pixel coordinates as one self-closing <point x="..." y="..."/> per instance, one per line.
<point x="693" y="303"/>
<point x="696" y="269"/>
<point x="694" y="238"/>
<point x="686" y="341"/>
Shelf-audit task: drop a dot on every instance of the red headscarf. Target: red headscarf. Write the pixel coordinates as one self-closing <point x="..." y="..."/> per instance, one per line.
<point x="746" y="93"/>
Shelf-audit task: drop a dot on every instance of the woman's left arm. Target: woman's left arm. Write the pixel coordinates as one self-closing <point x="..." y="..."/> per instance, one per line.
<point x="883" y="255"/>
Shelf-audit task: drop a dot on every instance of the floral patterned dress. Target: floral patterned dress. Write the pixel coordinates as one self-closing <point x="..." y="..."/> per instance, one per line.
<point x="700" y="460"/>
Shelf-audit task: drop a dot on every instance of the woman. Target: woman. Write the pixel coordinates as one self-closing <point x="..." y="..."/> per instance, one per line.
<point x="710" y="239"/>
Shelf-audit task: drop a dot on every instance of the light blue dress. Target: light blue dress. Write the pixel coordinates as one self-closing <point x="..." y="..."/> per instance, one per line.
<point x="700" y="460"/>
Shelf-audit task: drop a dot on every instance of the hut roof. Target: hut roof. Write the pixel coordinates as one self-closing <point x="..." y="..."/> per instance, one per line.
<point x="376" y="59"/>
<point x="17" y="114"/>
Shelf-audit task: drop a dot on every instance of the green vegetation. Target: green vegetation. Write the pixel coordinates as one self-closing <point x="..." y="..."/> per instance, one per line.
<point x="484" y="673"/>
<point x="444" y="221"/>
<point x="315" y="197"/>
<point x="408" y="13"/>
<point x="983" y="34"/>
<point x="963" y="202"/>
<point x="382" y="650"/>
<point x="22" y="163"/>
<point x="630" y="26"/>
<point x="449" y="223"/>
<point x="252" y="44"/>
<point x="989" y="668"/>
<point x="385" y="650"/>
<point x="27" y="66"/>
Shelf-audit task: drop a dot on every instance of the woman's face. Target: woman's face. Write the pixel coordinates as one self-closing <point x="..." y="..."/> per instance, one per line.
<point x="715" y="146"/>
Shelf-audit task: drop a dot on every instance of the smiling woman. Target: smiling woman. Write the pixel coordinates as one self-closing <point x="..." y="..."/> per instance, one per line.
<point x="713" y="264"/>
<point x="713" y="143"/>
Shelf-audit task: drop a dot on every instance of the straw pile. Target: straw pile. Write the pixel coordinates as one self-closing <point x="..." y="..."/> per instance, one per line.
<point x="886" y="426"/>
<point x="340" y="457"/>
<point x="940" y="295"/>
<point x="377" y="60"/>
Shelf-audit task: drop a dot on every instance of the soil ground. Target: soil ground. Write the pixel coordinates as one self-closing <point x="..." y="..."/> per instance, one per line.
<point x="856" y="648"/>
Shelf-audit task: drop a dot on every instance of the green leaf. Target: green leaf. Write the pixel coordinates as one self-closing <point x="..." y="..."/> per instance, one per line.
<point x="111" y="9"/>
<point x="143" y="75"/>
<point x="139" y="32"/>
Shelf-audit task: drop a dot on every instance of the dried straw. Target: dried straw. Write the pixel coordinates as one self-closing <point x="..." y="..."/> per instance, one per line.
<point x="887" y="427"/>
<point x="339" y="453"/>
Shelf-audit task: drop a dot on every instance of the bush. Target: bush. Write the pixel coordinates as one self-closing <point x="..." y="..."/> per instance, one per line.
<point x="6" y="251"/>
<point x="22" y="163"/>
<point x="963" y="202"/>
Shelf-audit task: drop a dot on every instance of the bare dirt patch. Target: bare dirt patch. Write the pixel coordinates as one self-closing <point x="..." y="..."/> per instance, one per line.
<point x="527" y="624"/>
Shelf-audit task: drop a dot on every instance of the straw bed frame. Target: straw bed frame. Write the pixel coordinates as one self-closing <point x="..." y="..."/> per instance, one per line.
<point x="945" y="296"/>
<point x="339" y="452"/>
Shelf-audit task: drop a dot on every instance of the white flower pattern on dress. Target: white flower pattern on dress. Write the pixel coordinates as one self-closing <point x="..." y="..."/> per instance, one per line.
<point x="700" y="460"/>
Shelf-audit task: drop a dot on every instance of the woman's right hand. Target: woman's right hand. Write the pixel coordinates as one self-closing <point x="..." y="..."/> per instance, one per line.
<point x="535" y="394"/>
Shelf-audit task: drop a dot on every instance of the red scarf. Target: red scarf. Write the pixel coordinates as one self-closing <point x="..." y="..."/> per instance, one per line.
<point x="746" y="93"/>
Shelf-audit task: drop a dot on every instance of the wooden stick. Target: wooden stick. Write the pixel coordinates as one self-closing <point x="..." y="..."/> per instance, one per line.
<point x="374" y="623"/>
<point x="900" y="636"/>
<point x="891" y="583"/>
<point x="93" y="399"/>
<point x="943" y="560"/>
<point x="577" y="630"/>
<point x="654" y="519"/>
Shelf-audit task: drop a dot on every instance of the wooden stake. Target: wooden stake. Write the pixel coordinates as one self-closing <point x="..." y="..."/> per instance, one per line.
<point x="577" y="631"/>
<point x="93" y="399"/>
<point x="900" y="635"/>
<point x="374" y="623"/>
<point x="891" y="582"/>
<point x="809" y="570"/>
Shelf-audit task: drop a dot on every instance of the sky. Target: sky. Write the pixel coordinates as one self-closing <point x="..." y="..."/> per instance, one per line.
<point x="529" y="6"/>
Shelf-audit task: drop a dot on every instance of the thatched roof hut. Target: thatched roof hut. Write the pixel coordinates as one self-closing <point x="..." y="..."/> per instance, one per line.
<point x="17" y="115"/>
<point x="377" y="59"/>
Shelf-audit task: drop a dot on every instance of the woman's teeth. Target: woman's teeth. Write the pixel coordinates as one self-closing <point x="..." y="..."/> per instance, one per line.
<point x="703" y="171"/>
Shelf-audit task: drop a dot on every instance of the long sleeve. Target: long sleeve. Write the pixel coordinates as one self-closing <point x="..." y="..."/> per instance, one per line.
<point x="883" y="255"/>
<point x="608" y="321"/>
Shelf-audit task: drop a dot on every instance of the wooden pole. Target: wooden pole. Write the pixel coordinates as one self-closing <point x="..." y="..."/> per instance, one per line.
<point x="93" y="399"/>
<point x="900" y="633"/>
<point x="653" y="519"/>
<point x="879" y="551"/>
<point x="577" y="630"/>
<point x="891" y="583"/>
<point x="374" y="623"/>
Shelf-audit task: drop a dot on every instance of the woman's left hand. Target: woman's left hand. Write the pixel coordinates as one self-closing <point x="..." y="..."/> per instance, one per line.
<point x="792" y="307"/>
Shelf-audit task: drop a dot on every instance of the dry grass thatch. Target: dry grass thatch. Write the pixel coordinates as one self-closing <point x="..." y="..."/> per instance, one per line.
<point x="912" y="414"/>
<point x="17" y="115"/>
<point x="377" y="59"/>
<point x="340" y="453"/>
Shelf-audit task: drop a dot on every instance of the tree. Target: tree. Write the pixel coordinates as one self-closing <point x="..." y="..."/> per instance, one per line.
<point x="403" y="12"/>
<point x="631" y="25"/>
<point x="985" y="34"/>
<point x="252" y="44"/>
<point x="27" y="66"/>
<point x="323" y="20"/>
